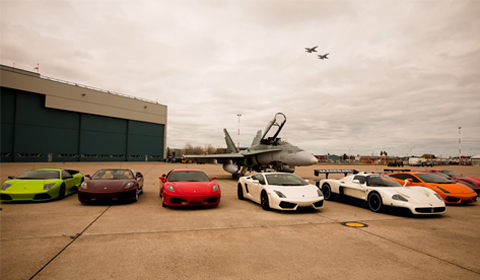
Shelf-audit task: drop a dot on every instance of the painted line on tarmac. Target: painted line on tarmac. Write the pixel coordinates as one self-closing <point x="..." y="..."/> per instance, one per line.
<point x="74" y="237"/>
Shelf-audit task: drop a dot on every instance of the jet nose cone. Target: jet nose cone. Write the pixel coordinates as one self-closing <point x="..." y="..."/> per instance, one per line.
<point x="313" y="160"/>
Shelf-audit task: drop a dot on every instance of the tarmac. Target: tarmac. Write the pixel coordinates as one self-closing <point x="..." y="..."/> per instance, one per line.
<point x="236" y="240"/>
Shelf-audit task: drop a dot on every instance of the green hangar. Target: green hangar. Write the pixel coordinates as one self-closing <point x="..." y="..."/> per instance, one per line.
<point x="44" y="119"/>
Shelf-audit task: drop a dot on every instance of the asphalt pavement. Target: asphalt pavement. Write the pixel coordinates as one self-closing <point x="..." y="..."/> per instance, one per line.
<point x="236" y="240"/>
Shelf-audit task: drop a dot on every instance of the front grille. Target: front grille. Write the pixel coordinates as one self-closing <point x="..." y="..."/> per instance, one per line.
<point x="42" y="196"/>
<point x="285" y="204"/>
<point x="318" y="204"/>
<point x="452" y="199"/>
<point x="176" y="200"/>
<point x="210" y="200"/>
<point x="5" y="197"/>
<point x="430" y="209"/>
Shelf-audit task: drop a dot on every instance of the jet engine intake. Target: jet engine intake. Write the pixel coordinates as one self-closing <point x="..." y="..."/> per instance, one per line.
<point x="230" y="168"/>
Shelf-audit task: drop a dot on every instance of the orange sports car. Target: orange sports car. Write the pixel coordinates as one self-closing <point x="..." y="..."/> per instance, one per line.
<point x="451" y="192"/>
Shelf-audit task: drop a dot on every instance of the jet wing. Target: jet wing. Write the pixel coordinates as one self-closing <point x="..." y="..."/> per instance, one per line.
<point x="227" y="158"/>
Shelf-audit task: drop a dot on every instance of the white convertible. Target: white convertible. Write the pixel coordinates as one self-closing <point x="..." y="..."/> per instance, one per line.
<point x="379" y="192"/>
<point x="283" y="191"/>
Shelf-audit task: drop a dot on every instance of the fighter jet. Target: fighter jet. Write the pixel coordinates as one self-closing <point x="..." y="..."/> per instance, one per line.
<point x="322" y="56"/>
<point x="310" y="50"/>
<point x="266" y="153"/>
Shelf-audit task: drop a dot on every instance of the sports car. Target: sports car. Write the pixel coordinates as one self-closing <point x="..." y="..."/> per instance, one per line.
<point x="451" y="192"/>
<point x="41" y="184"/>
<point x="380" y="192"/>
<point x="111" y="185"/>
<point x="470" y="182"/>
<point x="277" y="190"/>
<point x="182" y="187"/>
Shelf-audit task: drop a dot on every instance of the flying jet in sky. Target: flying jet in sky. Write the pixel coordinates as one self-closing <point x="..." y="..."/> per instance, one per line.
<point x="266" y="153"/>
<point x="323" y="56"/>
<point x="310" y="50"/>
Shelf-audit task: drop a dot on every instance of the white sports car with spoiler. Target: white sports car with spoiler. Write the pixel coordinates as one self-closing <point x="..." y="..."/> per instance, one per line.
<point x="380" y="192"/>
<point x="282" y="191"/>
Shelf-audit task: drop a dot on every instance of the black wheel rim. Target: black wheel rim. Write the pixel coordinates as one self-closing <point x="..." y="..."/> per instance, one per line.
<point x="326" y="191"/>
<point x="374" y="202"/>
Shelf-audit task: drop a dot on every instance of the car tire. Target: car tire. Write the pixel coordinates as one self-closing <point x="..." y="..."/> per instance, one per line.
<point x="163" y="203"/>
<point x="375" y="202"/>
<point x="135" y="198"/>
<point x="240" y="192"/>
<point x="264" y="201"/>
<point x="327" y="191"/>
<point x="61" y="192"/>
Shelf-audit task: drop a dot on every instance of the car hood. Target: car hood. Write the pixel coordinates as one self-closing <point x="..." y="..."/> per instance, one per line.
<point x="456" y="188"/>
<point x="199" y="188"/>
<point x="28" y="185"/>
<point x="297" y="191"/>
<point x="415" y="194"/>
<point x="106" y="185"/>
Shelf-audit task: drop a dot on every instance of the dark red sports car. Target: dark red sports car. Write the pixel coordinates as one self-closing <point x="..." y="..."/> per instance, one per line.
<point x="470" y="182"/>
<point x="111" y="185"/>
<point x="181" y="187"/>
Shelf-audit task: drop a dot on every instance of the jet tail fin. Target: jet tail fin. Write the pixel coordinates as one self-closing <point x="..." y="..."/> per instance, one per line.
<point x="231" y="148"/>
<point x="257" y="138"/>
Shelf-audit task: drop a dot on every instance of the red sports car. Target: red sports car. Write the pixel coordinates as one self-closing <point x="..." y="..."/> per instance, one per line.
<point x="181" y="187"/>
<point x="111" y="185"/>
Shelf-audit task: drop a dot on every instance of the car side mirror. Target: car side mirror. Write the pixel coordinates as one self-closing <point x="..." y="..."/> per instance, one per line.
<point x="139" y="175"/>
<point x="11" y="177"/>
<point x="256" y="182"/>
<point x="213" y="178"/>
<point x="307" y="181"/>
<point x="407" y="181"/>
<point x="356" y="182"/>
<point x="162" y="178"/>
<point x="88" y="176"/>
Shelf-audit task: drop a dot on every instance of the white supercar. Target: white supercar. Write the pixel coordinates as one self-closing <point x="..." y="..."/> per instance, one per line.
<point x="277" y="190"/>
<point x="380" y="192"/>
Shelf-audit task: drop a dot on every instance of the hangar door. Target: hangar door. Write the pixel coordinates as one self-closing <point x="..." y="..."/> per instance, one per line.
<point x="30" y="132"/>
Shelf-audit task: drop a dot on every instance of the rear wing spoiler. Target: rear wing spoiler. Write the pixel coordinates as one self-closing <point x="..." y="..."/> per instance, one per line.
<point x="328" y="171"/>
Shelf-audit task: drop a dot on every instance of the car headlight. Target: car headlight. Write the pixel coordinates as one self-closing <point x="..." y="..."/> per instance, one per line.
<point x="319" y="192"/>
<point x="399" y="197"/>
<point x="280" y="194"/>
<point x="215" y="188"/>
<point x="438" y="196"/>
<point x="443" y="190"/>
<point x="170" y="188"/>
<point x="48" y="186"/>
<point x="129" y="185"/>
<point x="5" y="186"/>
<point x="83" y="185"/>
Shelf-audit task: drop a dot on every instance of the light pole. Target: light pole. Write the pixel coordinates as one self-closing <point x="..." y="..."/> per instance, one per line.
<point x="239" y="115"/>
<point x="459" y="146"/>
<point x="408" y="147"/>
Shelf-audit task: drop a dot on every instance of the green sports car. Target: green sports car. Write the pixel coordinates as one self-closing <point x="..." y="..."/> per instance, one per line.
<point x="41" y="184"/>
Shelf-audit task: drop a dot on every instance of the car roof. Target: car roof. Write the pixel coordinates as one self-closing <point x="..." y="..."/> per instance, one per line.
<point x="185" y="169"/>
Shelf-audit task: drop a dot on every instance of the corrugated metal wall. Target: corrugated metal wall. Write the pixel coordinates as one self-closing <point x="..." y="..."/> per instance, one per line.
<point x="31" y="132"/>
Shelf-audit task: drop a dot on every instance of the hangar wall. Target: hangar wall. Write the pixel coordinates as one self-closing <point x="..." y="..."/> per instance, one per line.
<point x="48" y="120"/>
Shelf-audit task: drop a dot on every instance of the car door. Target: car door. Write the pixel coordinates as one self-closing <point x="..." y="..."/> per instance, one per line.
<point x="70" y="182"/>
<point x="255" y="186"/>
<point x="354" y="188"/>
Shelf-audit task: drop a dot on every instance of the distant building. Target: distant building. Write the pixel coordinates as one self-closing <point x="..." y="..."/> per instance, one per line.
<point x="476" y="160"/>
<point x="45" y="119"/>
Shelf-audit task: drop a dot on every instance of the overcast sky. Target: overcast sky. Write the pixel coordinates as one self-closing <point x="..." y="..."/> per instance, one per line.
<point x="401" y="76"/>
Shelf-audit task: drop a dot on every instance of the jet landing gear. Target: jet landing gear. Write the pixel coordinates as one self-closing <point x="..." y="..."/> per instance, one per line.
<point x="241" y="173"/>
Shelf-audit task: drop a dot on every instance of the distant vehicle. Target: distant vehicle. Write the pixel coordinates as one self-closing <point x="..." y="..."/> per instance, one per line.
<point x="111" y="185"/>
<point x="266" y="153"/>
<point x="310" y="50"/>
<point x="379" y="192"/>
<point x="451" y="192"/>
<point x="396" y="163"/>
<point x="282" y="191"/>
<point x="41" y="185"/>
<point x="414" y="161"/>
<point x="323" y="56"/>
<point x="471" y="182"/>
<point x="182" y="187"/>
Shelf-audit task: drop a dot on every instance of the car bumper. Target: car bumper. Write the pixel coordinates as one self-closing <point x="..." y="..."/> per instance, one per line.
<point x="114" y="196"/>
<point x="459" y="199"/>
<point x="185" y="200"/>
<point x="37" y="196"/>
<point x="294" y="204"/>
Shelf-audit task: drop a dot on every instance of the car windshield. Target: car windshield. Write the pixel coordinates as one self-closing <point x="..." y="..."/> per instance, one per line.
<point x="285" y="180"/>
<point x="40" y="174"/>
<point x="113" y="174"/>
<point x="382" y="181"/>
<point x="188" y="176"/>
<point x="451" y="173"/>
<point x="432" y="178"/>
